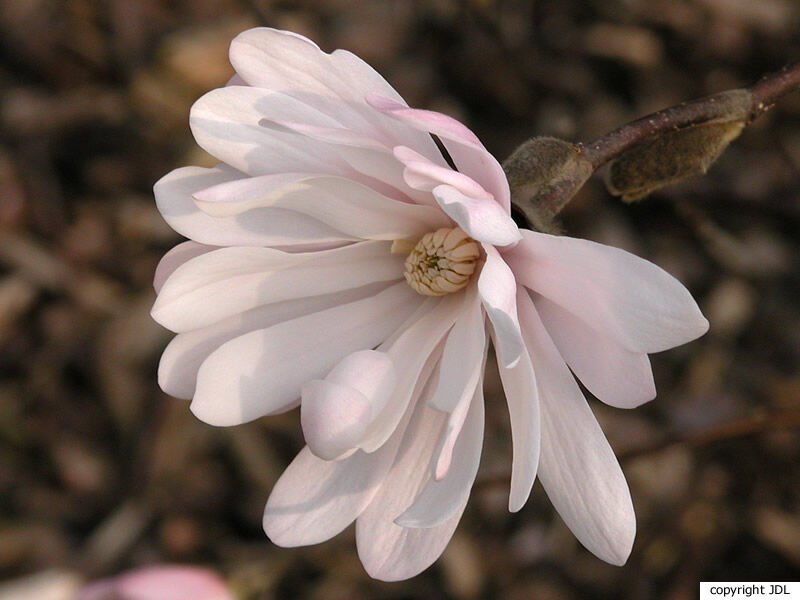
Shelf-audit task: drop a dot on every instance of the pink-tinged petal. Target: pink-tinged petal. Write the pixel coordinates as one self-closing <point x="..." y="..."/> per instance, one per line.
<point x="99" y="590"/>
<point x="577" y="467"/>
<point x="443" y="497"/>
<point x="228" y="124"/>
<point x="336" y="82"/>
<point x="443" y="457"/>
<point x="315" y="499"/>
<point x="336" y="135"/>
<point x="228" y="281"/>
<point x="462" y="356"/>
<point x="262" y="132"/>
<point x="378" y="169"/>
<point x="437" y="123"/>
<point x="174" y="258"/>
<point x="236" y="79"/>
<point x="345" y="205"/>
<point x="638" y="304"/>
<point x="261" y="227"/>
<point x="177" y="370"/>
<point x="390" y="552"/>
<point x="336" y="412"/>
<point x="498" y="292"/>
<point x="522" y="395"/>
<point x="422" y="174"/>
<point x="162" y="582"/>
<point x="262" y="372"/>
<point x="615" y="375"/>
<point x="410" y="349"/>
<point x="482" y="218"/>
<point x="464" y="147"/>
<point x="286" y="61"/>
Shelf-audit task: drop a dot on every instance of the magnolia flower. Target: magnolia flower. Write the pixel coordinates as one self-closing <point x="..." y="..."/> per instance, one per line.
<point x="341" y="262"/>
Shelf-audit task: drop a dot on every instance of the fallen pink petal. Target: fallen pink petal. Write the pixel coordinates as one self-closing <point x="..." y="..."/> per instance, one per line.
<point x="161" y="582"/>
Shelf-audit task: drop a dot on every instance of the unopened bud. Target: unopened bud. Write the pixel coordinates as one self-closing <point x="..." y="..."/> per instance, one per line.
<point x="544" y="174"/>
<point x="667" y="158"/>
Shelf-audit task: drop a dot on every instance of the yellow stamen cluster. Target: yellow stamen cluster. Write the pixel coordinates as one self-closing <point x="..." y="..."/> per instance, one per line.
<point x="441" y="262"/>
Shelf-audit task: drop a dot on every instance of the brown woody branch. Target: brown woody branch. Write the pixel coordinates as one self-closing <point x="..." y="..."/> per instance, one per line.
<point x="763" y="96"/>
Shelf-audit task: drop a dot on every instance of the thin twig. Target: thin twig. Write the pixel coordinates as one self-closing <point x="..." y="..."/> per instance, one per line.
<point x="772" y="87"/>
<point x="763" y="96"/>
<point x="731" y="430"/>
<point x="738" y="428"/>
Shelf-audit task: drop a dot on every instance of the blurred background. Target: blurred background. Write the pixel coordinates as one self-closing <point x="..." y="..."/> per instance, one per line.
<point x="100" y="471"/>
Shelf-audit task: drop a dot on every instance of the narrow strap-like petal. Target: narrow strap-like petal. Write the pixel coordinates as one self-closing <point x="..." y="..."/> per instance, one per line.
<point x="461" y="442"/>
<point x="410" y="350"/>
<point x="336" y="82"/>
<point x="522" y="396"/>
<point x="260" y="227"/>
<point x="174" y="258"/>
<point x="228" y="124"/>
<point x="483" y="219"/>
<point x="464" y="147"/>
<point x="462" y="355"/>
<point x="315" y="499"/>
<point x="390" y="552"/>
<point x="498" y="292"/>
<point x="615" y="375"/>
<point x="343" y="204"/>
<point x="177" y="370"/>
<point x="577" y="467"/>
<point x="422" y="174"/>
<point x="263" y="371"/>
<point x="222" y="283"/>
<point x="638" y="304"/>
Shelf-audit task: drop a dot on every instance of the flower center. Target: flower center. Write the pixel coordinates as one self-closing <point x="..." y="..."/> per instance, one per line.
<point x="441" y="262"/>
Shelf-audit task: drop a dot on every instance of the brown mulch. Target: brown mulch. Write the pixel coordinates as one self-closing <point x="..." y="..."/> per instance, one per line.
<point x="100" y="471"/>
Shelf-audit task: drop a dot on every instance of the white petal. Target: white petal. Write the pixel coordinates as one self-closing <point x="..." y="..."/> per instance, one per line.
<point x="615" y="375"/>
<point x="228" y="124"/>
<point x="315" y="499"/>
<point x="345" y="205"/>
<point x="261" y="227"/>
<point x="382" y="168"/>
<point x="336" y="412"/>
<point x="443" y="498"/>
<point x="336" y="82"/>
<point x="174" y="258"/>
<point x="262" y="371"/>
<point x="522" y="395"/>
<point x="228" y="281"/>
<point x="177" y="370"/>
<point x="482" y="218"/>
<point x="410" y="351"/>
<point x="422" y="174"/>
<point x="390" y="552"/>
<point x="498" y="289"/>
<point x="464" y="147"/>
<point x="473" y="378"/>
<point x="577" y="467"/>
<point x="283" y="60"/>
<point x="641" y="306"/>
<point x="462" y="356"/>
